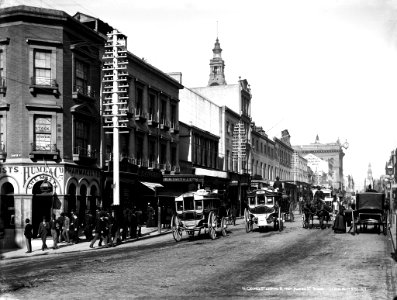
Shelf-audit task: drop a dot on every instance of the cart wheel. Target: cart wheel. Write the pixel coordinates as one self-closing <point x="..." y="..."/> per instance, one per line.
<point x="212" y="225"/>
<point x="176" y="229"/>
<point x="248" y="226"/>
<point x="223" y="226"/>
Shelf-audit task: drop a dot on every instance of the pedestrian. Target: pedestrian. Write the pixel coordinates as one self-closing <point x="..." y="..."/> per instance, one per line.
<point x="28" y="233"/>
<point x="74" y="227"/>
<point x="60" y="222"/>
<point x="66" y="228"/>
<point x="277" y="185"/>
<point x="43" y="232"/>
<point x="139" y="221"/>
<point x="99" y="230"/>
<point x="150" y="216"/>
<point x="88" y="225"/>
<point x="339" y="223"/>
<point x="168" y="217"/>
<point x="54" y="227"/>
<point x="133" y="223"/>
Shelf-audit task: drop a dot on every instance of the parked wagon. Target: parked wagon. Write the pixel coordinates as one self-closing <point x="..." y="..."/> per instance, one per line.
<point x="370" y="210"/>
<point x="197" y="212"/>
<point x="263" y="210"/>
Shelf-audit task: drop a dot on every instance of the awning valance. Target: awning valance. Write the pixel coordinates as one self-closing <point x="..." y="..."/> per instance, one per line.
<point x="152" y="185"/>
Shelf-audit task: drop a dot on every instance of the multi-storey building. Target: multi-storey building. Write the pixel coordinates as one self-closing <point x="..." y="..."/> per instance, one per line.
<point x="149" y="143"/>
<point x="263" y="157"/>
<point x="284" y="153"/>
<point x="49" y="116"/>
<point x="332" y="152"/>
<point x="300" y="170"/>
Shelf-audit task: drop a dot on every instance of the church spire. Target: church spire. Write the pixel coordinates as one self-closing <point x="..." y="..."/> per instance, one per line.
<point x="217" y="66"/>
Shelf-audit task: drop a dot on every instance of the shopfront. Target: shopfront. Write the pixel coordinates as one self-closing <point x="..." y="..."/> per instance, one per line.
<point x="40" y="190"/>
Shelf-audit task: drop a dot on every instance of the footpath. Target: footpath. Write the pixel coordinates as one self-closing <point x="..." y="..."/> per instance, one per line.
<point x="83" y="245"/>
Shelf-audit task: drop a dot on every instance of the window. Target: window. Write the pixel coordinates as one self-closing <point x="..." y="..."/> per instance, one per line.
<point x="173" y="116"/>
<point x="1" y="66"/>
<point x="139" y="149"/>
<point x="227" y="127"/>
<point x="163" y="111"/>
<point x="81" y="77"/>
<point x="82" y="134"/>
<point x="152" y="106"/>
<point x="2" y="133"/>
<point x="42" y="133"/>
<point x="139" y="100"/>
<point x="42" y="67"/>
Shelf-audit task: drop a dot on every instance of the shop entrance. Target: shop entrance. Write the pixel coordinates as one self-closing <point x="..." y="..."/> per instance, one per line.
<point x="7" y="210"/>
<point x="41" y="206"/>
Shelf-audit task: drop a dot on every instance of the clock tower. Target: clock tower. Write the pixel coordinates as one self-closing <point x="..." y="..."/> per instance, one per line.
<point x="217" y="67"/>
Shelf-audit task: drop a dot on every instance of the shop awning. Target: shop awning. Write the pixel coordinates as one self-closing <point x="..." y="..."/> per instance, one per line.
<point x="152" y="185"/>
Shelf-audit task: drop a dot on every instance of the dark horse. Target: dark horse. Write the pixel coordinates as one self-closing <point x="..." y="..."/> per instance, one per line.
<point x="318" y="208"/>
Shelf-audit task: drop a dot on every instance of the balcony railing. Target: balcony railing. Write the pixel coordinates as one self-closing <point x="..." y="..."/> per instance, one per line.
<point x="139" y="115"/>
<point x="152" y="120"/>
<point x="83" y="92"/>
<point x="3" y="152"/>
<point x="43" y="85"/>
<point x="174" y="128"/>
<point x="39" y="149"/>
<point x="3" y="87"/>
<point x="164" y="124"/>
<point x="80" y="154"/>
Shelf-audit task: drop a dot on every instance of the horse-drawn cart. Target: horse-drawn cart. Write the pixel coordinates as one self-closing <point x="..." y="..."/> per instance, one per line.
<point x="198" y="211"/>
<point x="263" y="210"/>
<point x="370" y="210"/>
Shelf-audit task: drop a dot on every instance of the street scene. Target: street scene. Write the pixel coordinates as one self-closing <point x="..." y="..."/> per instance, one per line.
<point x="295" y="263"/>
<point x="187" y="149"/>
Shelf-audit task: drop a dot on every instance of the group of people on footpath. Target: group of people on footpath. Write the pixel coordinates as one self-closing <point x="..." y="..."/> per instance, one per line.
<point x="107" y="227"/>
<point x="65" y="228"/>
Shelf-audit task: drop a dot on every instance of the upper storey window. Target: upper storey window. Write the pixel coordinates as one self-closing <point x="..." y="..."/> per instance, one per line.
<point x="42" y="67"/>
<point x="81" y="78"/>
<point x="2" y="72"/>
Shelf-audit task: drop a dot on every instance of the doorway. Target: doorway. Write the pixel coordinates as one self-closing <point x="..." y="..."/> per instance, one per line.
<point x="41" y="206"/>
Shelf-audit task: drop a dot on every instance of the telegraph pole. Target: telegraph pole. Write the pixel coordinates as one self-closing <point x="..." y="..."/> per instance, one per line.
<point x="115" y="98"/>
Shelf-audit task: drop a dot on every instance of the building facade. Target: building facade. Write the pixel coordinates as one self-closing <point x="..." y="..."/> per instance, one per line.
<point x="332" y="152"/>
<point x="49" y="116"/>
<point x="263" y="157"/>
<point x="149" y="139"/>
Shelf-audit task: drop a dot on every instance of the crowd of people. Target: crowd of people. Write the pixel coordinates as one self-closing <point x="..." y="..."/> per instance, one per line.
<point x="107" y="227"/>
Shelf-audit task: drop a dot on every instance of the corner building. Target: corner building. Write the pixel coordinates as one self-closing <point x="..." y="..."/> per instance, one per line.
<point x="49" y="117"/>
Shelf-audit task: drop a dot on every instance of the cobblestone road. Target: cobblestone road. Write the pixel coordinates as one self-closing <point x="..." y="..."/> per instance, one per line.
<point x="296" y="263"/>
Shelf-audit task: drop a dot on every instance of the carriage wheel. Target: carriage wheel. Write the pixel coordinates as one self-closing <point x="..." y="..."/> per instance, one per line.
<point x="176" y="229"/>
<point x="212" y="225"/>
<point x="223" y="226"/>
<point x="248" y="226"/>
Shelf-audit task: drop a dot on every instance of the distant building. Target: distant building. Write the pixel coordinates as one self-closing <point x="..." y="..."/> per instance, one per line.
<point x="331" y="152"/>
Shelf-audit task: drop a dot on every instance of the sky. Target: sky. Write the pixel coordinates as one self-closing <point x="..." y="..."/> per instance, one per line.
<point x="315" y="67"/>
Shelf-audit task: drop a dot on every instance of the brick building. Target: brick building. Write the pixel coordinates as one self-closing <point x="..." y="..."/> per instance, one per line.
<point x="49" y="116"/>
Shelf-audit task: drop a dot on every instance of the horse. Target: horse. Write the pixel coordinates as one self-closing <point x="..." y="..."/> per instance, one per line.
<point x="318" y="208"/>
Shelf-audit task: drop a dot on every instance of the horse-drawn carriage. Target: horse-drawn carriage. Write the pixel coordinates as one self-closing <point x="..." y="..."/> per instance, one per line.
<point x="199" y="211"/>
<point x="317" y="209"/>
<point x="371" y="209"/>
<point x="265" y="208"/>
